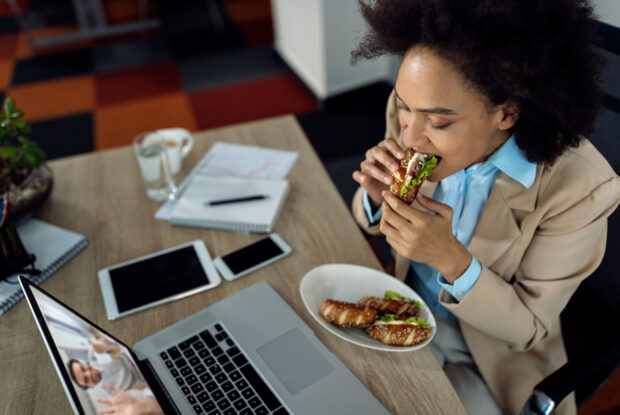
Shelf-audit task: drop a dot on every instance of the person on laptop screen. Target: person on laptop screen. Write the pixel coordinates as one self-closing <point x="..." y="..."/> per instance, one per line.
<point x="102" y="369"/>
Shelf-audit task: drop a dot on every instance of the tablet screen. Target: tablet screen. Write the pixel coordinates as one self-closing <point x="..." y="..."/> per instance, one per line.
<point x="156" y="278"/>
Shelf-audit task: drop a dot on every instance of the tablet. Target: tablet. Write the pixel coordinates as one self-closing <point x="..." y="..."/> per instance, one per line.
<point x="156" y="279"/>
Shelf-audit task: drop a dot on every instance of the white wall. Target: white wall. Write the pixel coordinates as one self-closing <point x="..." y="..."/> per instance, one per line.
<point x="608" y="11"/>
<point x="344" y="29"/>
<point x="298" y="32"/>
<point x="316" y="37"/>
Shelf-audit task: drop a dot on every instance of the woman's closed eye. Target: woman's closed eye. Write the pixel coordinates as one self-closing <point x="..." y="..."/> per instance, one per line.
<point x="442" y="126"/>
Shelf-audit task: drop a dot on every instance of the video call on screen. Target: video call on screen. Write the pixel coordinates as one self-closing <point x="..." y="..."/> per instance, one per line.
<point x="157" y="278"/>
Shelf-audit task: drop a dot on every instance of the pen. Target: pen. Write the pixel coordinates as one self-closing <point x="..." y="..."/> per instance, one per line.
<point x="237" y="200"/>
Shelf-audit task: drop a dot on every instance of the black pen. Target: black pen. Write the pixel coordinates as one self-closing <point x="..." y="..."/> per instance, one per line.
<point x="238" y="200"/>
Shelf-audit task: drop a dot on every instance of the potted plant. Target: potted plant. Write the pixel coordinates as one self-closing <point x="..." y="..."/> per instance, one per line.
<point x="24" y="178"/>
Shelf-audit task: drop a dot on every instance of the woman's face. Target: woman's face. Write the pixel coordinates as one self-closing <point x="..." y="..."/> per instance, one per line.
<point x="441" y="115"/>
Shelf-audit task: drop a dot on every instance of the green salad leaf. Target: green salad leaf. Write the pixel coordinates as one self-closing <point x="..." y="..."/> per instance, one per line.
<point x="394" y="294"/>
<point x="388" y="317"/>
<point x="419" y="321"/>
<point x="424" y="171"/>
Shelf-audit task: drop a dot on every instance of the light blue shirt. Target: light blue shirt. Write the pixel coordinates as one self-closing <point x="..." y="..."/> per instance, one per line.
<point x="466" y="192"/>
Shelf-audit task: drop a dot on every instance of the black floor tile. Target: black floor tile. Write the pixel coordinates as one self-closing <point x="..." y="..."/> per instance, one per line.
<point x="46" y="13"/>
<point x="114" y="56"/>
<point x="341" y="172"/>
<point x="348" y="124"/>
<point x="53" y="65"/>
<point x="199" y="28"/>
<point x="231" y="67"/>
<point x="206" y="42"/>
<point x="8" y="24"/>
<point x="66" y="136"/>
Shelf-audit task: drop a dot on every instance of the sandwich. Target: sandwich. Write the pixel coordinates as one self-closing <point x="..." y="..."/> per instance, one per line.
<point x="389" y="329"/>
<point x="345" y="314"/>
<point x="392" y="303"/>
<point x="414" y="168"/>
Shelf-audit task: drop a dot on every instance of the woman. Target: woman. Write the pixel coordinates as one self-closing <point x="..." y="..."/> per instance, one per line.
<point x="514" y="216"/>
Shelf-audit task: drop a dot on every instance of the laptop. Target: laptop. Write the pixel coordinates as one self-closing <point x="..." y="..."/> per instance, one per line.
<point x="247" y="354"/>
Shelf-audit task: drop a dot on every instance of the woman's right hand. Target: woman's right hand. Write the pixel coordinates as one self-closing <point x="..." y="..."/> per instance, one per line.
<point x="375" y="174"/>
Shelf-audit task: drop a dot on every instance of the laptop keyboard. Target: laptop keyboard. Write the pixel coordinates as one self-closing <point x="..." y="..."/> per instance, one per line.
<point x="216" y="377"/>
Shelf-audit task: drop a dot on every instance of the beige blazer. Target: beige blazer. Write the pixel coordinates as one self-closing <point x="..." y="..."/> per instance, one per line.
<point x="535" y="246"/>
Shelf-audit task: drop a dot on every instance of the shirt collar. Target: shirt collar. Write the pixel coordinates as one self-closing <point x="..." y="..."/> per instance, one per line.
<point x="511" y="160"/>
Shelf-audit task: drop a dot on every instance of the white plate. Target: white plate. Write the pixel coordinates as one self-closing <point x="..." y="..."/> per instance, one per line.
<point x="350" y="283"/>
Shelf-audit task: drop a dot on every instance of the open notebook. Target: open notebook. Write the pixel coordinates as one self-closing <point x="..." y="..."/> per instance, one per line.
<point x="53" y="247"/>
<point x="193" y="209"/>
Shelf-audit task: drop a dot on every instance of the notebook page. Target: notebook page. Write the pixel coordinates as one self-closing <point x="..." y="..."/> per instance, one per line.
<point x="192" y="208"/>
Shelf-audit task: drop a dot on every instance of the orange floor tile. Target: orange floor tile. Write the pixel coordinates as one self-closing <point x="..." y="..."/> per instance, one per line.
<point x="57" y="98"/>
<point x="8" y="45"/>
<point x="244" y="11"/>
<point x="263" y="98"/>
<point x="117" y="125"/>
<point x="6" y="72"/>
<point x="137" y="83"/>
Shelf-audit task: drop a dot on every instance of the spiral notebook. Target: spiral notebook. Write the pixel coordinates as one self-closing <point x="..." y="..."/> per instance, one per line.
<point x="53" y="247"/>
<point x="258" y="216"/>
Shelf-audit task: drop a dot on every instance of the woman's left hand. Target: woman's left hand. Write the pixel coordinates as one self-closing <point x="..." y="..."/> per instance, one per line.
<point x="424" y="237"/>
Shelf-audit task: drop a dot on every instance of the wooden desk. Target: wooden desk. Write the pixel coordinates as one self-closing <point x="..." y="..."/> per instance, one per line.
<point x="101" y="195"/>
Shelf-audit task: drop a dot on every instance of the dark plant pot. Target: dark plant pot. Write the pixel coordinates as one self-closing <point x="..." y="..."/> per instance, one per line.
<point x="29" y="196"/>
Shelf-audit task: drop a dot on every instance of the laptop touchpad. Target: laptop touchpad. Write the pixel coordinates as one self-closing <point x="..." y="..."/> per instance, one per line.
<point x="295" y="361"/>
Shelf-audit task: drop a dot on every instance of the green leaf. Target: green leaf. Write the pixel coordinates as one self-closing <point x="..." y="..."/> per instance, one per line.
<point x="393" y="294"/>
<point x="389" y="317"/>
<point x="26" y="130"/>
<point x="9" y="105"/>
<point x="17" y="114"/>
<point x="8" y="151"/>
<point x="419" y="321"/>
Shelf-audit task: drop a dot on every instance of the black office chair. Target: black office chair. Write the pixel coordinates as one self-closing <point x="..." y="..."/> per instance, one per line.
<point x="594" y="355"/>
<point x="592" y="343"/>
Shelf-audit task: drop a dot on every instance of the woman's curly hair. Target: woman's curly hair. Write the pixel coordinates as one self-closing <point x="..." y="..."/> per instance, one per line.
<point x="536" y="54"/>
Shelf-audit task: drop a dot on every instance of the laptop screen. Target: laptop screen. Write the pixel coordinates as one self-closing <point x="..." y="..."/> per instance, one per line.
<point x="93" y="366"/>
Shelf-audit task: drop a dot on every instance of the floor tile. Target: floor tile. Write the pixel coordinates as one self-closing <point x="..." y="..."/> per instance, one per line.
<point x="120" y="55"/>
<point x="232" y="67"/>
<point x="206" y="42"/>
<point x="8" y="45"/>
<point x="49" y="99"/>
<point x="46" y="13"/>
<point x="263" y="98"/>
<point x="137" y="83"/>
<point x="8" y="24"/>
<point x="52" y="66"/>
<point x="6" y="72"/>
<point x="64" y="136"/>
<point x="258" y="34"/>
<point x="348" y="124"/>
<point x="244" y="11"/>
<point x="118" y="124"/>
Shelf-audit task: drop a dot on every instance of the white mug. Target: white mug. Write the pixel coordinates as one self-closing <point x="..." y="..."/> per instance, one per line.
<point x="178" y="142"/>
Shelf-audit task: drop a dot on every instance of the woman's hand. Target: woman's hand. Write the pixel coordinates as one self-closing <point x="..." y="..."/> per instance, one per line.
<point x="424" y="237"/>
<point x="375" y="174"/>
<point x="123" y="403"/>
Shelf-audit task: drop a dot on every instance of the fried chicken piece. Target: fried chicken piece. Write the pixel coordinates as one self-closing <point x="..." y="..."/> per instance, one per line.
<point x="347" y="314"/>
<point x="401" y="308"/>
<point x="398" y="334"/>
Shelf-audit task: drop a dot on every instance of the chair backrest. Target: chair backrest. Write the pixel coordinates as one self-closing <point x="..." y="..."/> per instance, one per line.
<point x="595" y="304"/>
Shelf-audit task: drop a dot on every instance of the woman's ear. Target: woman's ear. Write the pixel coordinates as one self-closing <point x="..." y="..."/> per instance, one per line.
<point x="508" y="113"/>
